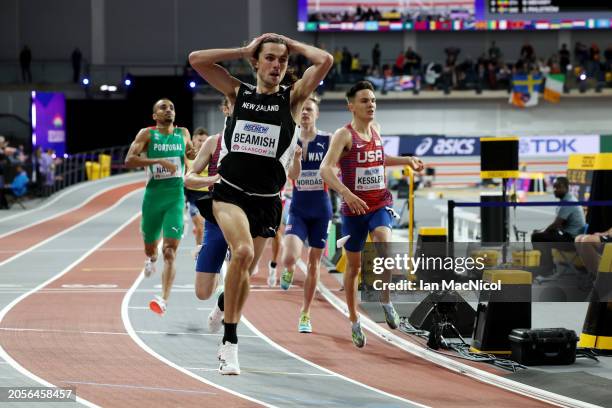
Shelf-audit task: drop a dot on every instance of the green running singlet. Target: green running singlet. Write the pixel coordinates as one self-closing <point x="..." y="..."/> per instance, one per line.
<point x="164" y="201"/>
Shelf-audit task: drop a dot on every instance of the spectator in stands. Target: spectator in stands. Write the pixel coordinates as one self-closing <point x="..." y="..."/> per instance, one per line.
<point x="347" y="60"/>
<point x="528" y="56"/>
<point x="376" y="57"/>
<point x="25" y="61"/>
<point x="590" y="246"/>
<point x="398" y="67"/>
<point x="37" y="177"/>
<point x="18" y="187"/>
<point x="581" y="54"/>
<point x="3" y="160"/>
<point x="76" y="58"/>
<point x="567" y="225"/>
<point x="564" y="58"/>
<point x="494" y="53"/>
<point x="355" y="64"/>
<point x="47" y="170"/>
<point x="412" y="64"/>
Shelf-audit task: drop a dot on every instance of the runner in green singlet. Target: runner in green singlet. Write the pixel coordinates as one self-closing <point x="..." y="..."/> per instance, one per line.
<point x="161" y="150"/>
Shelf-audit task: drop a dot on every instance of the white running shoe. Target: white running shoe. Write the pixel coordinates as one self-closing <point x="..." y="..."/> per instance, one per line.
<point x="149" y="267"/>
<point x="271" y="276"/>
<point x="215" y="319"/>
<point x="228" y="359"/>
<point x="158" y="305"/>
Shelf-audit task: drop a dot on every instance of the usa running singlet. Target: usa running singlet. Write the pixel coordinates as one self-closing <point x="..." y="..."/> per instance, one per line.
<point x="310" y="198"/>
<point x="214" y="160"/>
<point x="168" y="147"/>
<point x="258" y="141"/>
<point x="363" y="172"/>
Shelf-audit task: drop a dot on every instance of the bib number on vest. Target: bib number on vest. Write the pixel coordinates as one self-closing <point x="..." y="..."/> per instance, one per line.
<point x="309" y="180"/>
<point x="260" y="139"/>
<point x="369" y="178"/>
<point x="161" y="173"/>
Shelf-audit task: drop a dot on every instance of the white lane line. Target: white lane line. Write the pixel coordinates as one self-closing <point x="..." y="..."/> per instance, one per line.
<point x="144" y="332"/>
<point x="242" y="369"/>
<point x="325" y="370"/>
<point x="61" y="195"/>
<point x="28" y="329"/>
<point x="72" y="250"/>
<point x="446" y="362"/>
<point x="247" y="336"/>
<point x="67" y="230"/>
<point x="66" y="211"/>
<point x="140" y="387"/>
<point x="5" y="356"/>
<point x="133" y="334"/>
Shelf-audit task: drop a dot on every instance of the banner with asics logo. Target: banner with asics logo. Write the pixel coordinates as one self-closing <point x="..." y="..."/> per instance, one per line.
<point x="260" y="139"/>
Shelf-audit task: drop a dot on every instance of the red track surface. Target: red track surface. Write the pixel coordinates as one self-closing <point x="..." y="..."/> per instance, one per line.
<point x="379" y="364"/>
<point x="22" y="240"/>
<point x="60" y="350"/>
<point x="65" y="353"/>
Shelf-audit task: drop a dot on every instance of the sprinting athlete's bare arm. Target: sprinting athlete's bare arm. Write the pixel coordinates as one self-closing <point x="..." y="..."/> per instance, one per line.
<point x="340" y="143"/>
<point x="190" y="152"/>
<point x="412" y="161"/>
<point x="322" y="62"/>
<point x="296" y="166"/>
<point x="202" y="160"/>
<point x="205" y="63"/>
<point x="133" y="159"/>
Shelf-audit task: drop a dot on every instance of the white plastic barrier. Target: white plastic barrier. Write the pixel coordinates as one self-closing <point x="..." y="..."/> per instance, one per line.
<point x="467" y="224"/>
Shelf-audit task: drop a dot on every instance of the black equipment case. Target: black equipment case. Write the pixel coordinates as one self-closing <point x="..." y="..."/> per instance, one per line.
<point x="543" y="346"/>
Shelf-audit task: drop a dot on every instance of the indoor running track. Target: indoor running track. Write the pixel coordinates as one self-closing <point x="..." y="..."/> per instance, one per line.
<point x="73" y="312"/>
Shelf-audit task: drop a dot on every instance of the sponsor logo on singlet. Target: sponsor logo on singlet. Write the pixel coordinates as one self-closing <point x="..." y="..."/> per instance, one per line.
<point x="369" y="178"/>
<point x="260" y="139"/>
<point x="309" y="180"/>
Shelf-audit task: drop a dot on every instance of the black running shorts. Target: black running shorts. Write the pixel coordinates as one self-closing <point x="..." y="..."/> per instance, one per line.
<point x="263" y="213"/>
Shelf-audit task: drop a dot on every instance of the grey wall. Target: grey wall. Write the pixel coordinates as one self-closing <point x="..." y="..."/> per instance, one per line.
<point x="164" y="31"/>
<point x="51" y="28"/>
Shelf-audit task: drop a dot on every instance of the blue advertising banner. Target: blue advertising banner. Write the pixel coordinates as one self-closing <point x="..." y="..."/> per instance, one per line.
<point x="439" y="146"/>
<point x="49" y="121"/>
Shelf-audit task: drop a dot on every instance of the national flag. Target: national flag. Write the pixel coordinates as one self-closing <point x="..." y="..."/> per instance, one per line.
<point x="554" y="87"/>
<point x="525" y="90"/>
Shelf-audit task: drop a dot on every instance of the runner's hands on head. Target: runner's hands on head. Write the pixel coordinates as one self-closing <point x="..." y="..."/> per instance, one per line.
<point x="354" y="203"/>
<point x="168" y="165"/>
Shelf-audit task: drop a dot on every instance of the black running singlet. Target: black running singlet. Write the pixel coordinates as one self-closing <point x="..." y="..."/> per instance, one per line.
<point x="258" y="141"/>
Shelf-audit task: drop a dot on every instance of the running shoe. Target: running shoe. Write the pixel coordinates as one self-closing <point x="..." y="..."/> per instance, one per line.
<point x="228" y="359"/>
<point x="158" y="305"/>
<point x="359" y="337"/>
<point x="304" y="326"/>
<point x="286" y="279"/>
<point x="271" y="276"/>
<point x="149" y="267"/>
<point x="215" y="319"/>
<point x="391" y="316"/>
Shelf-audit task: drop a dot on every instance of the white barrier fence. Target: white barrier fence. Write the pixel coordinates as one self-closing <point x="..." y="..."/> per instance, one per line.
<point x="467" y="224"/>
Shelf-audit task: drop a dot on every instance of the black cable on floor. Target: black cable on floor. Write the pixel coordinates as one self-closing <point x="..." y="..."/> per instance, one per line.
<point x="462" y="349"/>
